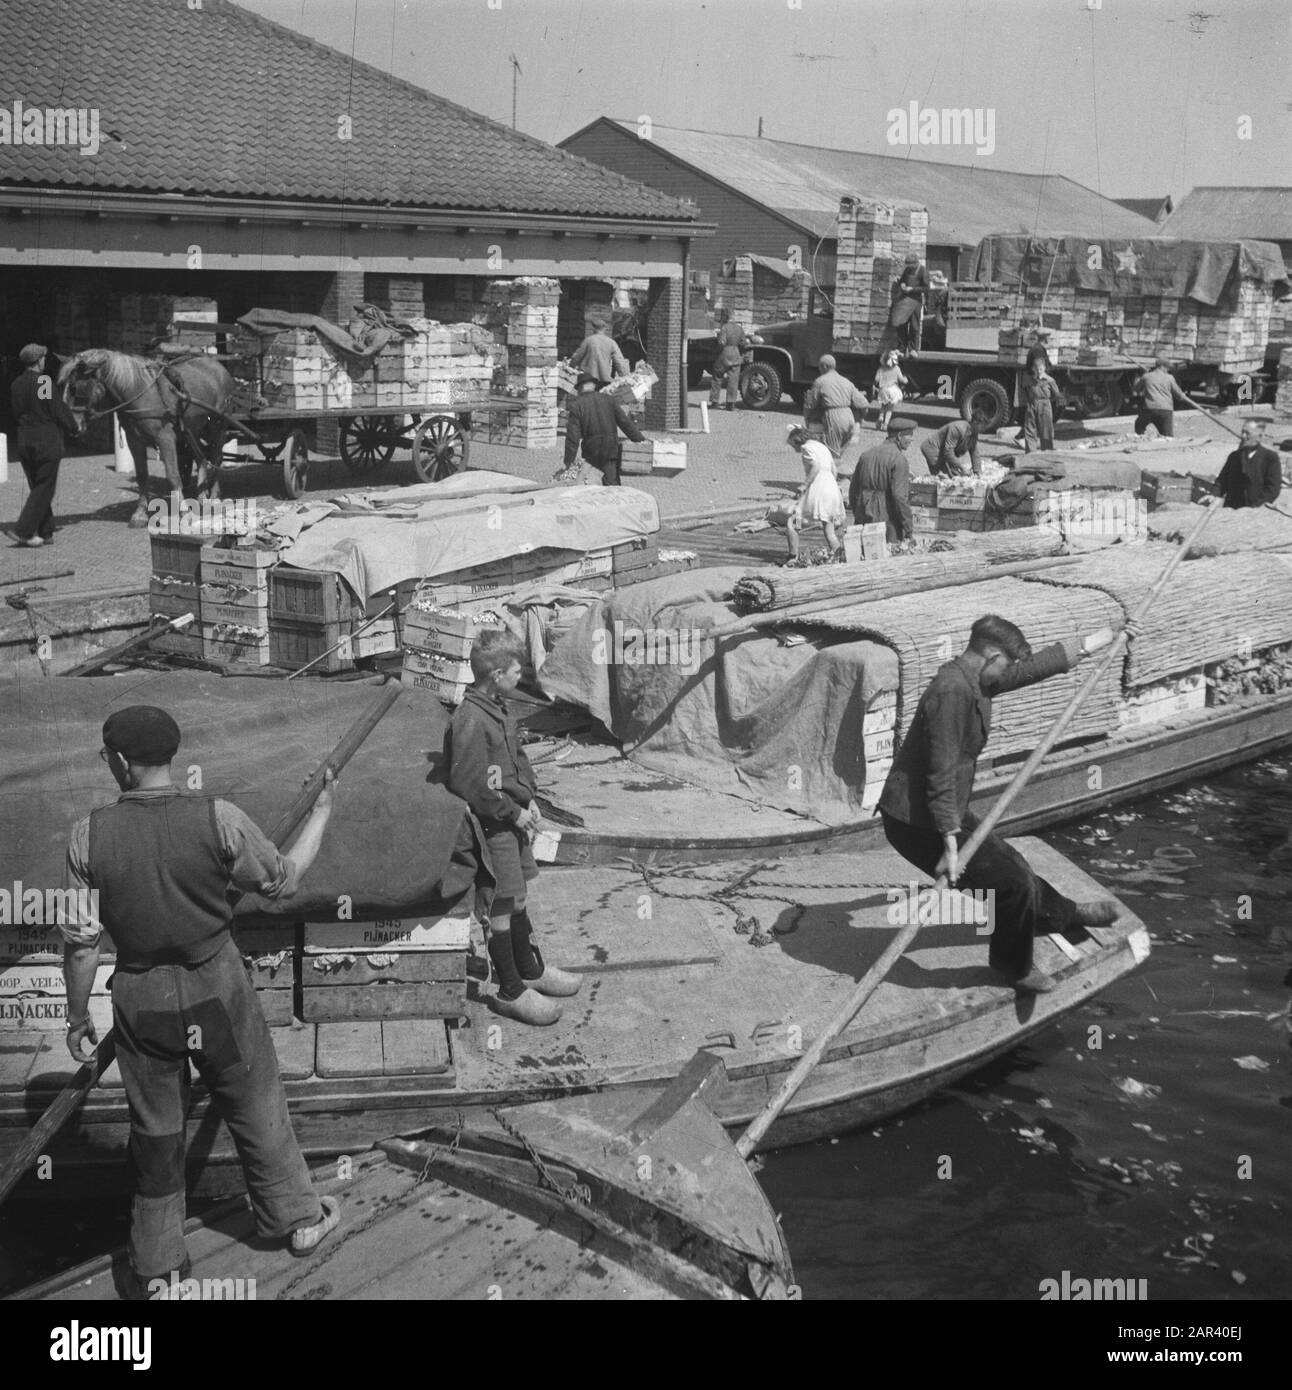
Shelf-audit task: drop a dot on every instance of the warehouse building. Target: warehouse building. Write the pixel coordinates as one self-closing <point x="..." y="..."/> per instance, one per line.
<point x="1232" y="214"/>
<point x="150" y="148"/>
<point x="766" y="196"/>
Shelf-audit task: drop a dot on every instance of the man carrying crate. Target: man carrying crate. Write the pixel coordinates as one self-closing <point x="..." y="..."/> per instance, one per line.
<point x="155" y="869"/>
<point x="593" y="422"/>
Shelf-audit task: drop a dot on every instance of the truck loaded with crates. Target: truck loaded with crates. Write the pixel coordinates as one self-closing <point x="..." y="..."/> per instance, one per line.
<point x="1103" y="309"/>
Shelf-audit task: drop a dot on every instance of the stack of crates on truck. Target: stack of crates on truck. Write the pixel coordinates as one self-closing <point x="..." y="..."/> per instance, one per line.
<point x="1090" y="300"/>
<point x="874" y="240"/>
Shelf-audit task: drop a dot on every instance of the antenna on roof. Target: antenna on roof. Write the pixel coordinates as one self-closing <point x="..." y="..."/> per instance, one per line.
<point x="515" y="74"/>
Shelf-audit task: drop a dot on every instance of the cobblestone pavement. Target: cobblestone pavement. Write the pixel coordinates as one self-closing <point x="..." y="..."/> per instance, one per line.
<point x="742" y="462"/>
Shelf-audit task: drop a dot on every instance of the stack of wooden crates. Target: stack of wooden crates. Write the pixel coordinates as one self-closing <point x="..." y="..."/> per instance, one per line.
<point x="874" y="240"/>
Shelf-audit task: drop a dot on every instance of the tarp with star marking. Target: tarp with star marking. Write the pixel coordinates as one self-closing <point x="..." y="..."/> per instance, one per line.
<point x="1206" y="271"/>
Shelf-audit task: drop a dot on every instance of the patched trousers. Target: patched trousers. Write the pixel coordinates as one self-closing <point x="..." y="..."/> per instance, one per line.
<point x="164" y="1017"/>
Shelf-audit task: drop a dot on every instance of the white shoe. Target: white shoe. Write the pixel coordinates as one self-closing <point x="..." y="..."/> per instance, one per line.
<point x="530" y="1008"/>
<point x="559" y="984"/>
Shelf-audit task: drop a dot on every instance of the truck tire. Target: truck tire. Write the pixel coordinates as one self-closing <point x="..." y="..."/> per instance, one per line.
<point x="1099" y="399"/>
<point x="760" y="386"/>
<point x="988" y="396"/>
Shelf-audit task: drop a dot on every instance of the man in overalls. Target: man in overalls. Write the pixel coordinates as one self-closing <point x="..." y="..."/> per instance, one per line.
<point x="156" y="867"/>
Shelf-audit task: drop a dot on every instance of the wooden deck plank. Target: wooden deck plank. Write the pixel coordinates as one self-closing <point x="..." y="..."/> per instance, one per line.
<point x="18" y="1048"/>
<point x="348" y="1049"/>
<point x="295" y="1048"/>
<point x="413" y="1047"/>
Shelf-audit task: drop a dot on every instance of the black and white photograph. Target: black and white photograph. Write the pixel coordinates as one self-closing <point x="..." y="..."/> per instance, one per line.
<point x="646" y="655"/>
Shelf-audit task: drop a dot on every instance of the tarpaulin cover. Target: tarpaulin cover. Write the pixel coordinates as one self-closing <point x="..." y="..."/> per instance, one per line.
<point x="379" y="541"/>
<point x="1207" y="271"/>
<point x="781" y="725"/>
<point x="777" y="267"/>
<point x="268" y="322"/>
<point x="395" y="840"/>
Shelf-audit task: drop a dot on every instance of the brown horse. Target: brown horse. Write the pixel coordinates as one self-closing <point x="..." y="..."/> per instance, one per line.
<point x="166" y="405"/>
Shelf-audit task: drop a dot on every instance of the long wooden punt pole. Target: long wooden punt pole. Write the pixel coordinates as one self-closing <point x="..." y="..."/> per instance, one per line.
<point x="872" y="979"/>
<point x="83" y="1082"/>
<point x="884" y="588"/>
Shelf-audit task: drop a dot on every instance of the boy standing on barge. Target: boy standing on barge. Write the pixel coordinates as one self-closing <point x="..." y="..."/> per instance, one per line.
<point x="488" y="769"/>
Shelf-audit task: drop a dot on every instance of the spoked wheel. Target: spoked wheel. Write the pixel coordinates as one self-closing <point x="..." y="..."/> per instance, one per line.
<point x="440" y="448"/>
<point x="296" y="462"/>
<point x="367" y="442"/>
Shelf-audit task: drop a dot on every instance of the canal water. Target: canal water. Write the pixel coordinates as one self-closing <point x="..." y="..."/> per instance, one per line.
<point x="1145" y="1136"/>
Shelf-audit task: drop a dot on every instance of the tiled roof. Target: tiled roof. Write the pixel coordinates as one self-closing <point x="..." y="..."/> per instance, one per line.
<point x="1220" y="214"/>
<point x="218" y="101"/>
<point x="965" y="202"/>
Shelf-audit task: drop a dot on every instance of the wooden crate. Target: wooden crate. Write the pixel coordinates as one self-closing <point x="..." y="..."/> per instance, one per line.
<point x="186" y="642"/>
<point x="450" y="669"/>
<point x="293" y="645"/>
<point x="224" y="644"/>
<point x="174" y="600"/>
<point x="180" y="557"/>
<point x="449" y="692"/>
<point x="380" y="1002"/>
<point x="396" y="968"/>
<point x="33" y="997"/>
<point x="1160" y="489"/>
<point x="311" y="596"/>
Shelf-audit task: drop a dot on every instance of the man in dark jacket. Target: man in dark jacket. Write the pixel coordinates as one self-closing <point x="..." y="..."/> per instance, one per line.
<point x="925" y="801"/>
<point x="488" y="769"/>
<point x="1252" y="474"/>
<point x="593" y="421"/>
<point x="154" y="870"/>
<point x="881" y="484"/>
<point x="42" y="419"/>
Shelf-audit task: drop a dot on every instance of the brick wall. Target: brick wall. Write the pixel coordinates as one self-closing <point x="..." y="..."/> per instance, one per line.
<point x="665" y="312"/>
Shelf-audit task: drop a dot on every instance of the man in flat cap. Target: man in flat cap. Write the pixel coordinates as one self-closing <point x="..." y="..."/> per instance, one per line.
<point x="881" y="486"/>
<point x="155" y="869"/>
<point x="831" y="403"/>
<point x="592" y="423"/>
<point x="598" y="355"/>
<point x="42" y="420"/>
<point x="1159" y="392"/>
<point x="907" y="316"/>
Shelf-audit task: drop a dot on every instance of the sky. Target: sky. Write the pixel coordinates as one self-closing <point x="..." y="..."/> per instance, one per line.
<point x="1134" y="98"/>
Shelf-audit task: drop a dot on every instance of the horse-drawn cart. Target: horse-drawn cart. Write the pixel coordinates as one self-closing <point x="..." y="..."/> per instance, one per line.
<point x="437" y="436"/>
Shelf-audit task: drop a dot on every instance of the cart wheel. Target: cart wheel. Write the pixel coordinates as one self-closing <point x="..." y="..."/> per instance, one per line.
<point x="367" y="442"/>
<point x="296" y="462"/>
<point x="440" y="448"/>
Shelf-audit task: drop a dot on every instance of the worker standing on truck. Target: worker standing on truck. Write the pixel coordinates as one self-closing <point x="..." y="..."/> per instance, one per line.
<point x="832" y="402"/>
<point x="1041" y="396"/>
<point x="907" y="314"/>
<point x="1158" y="391"/>
<point x="732" y="342"/>
<point x="598" y="356"/>
<point x="881" y="486"/>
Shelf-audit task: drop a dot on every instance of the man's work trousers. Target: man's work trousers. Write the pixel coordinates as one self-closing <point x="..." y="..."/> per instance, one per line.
<point x="40" y="455"/>
<point x="728" y="377"/>
<point x="1023" y="905"/>
<point x="163" y="1018"/>
<point x="607" y="466"/>
<point x="1162" y="420"/>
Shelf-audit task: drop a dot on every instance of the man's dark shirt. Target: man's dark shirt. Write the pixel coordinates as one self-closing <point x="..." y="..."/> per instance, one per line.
<point x="1250" y="478"/>
<point x="932" y="776"/>
<point x="35" y="413"/>
<point x="593" y="420"/>
<point x="881" y="491"/>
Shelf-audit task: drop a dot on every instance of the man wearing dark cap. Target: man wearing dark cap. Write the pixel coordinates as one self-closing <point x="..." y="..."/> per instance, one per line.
<point x="925" y="801"/>
<point x="156" y="868"/>
<point x="1158" y="391"/>
<point x="598" y="355"/>
<point x="593" y="422"/>
<point x="881" y="485"/>
<point x="42" y="419"/>
<point x="907" y="316"/>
